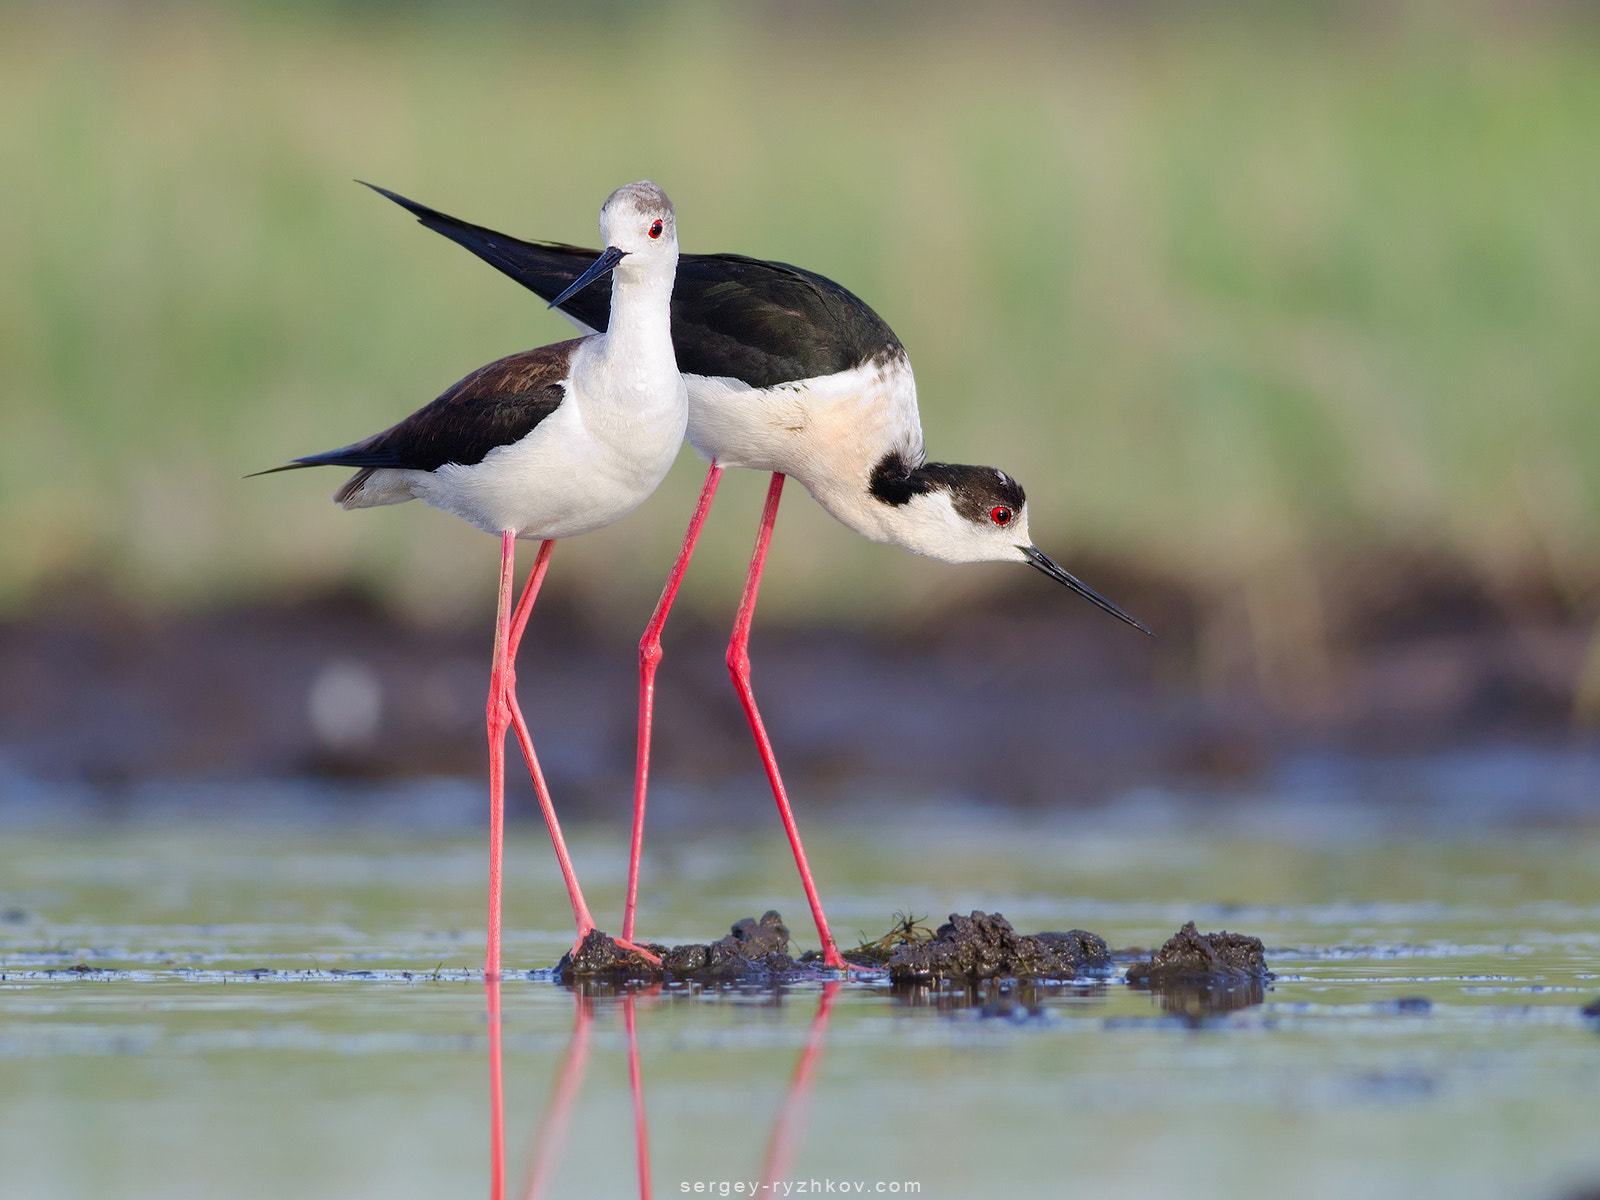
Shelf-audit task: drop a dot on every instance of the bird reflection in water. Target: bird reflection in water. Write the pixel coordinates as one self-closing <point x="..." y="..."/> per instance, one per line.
<point x="550" y="1136"/>
<point x="791" y="1123"/>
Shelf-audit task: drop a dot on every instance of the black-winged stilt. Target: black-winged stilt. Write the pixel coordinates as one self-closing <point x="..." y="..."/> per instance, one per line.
<point x="545" y="444"/>
<point x="790" y="373"/>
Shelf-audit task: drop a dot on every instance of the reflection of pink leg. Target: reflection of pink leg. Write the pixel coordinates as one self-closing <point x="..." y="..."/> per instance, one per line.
<point x="497" y="1098"/>
<point x="552" y="1134"/>
<point x="641" y="1130"/>
<point x="649" y="659"/>
<point x="519" y="623"/>
<point x="739" y="668"/>
<point x="791" y="1124"/>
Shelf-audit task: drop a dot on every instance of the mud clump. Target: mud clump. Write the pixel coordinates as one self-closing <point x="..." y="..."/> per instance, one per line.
<point x="984" y="946"/>
<point x="754" y="951"/>
<point x="1192" y="959"/>
<point x="752" y="948"/>
<point x="599" y="957"/>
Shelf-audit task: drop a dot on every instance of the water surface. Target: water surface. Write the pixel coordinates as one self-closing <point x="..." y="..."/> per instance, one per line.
<point x="257" y="1013"/>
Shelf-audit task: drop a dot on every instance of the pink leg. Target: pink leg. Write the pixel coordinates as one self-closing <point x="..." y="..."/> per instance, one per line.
<point x="739" y="668"/>
<point x="497" y="1098"/>
<point x="552" y="1133"/>
<point x="792" y="1119"/>
<point x="519" y="623"/>
<point x="497" y="718"/>
<point x="641" y="1131"/>
<point x="649" y="659"/>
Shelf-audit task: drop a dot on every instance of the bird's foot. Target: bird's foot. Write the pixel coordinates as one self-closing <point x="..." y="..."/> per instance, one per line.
<point x="833" y="960"/>
<point x="635" y="948"/>
<point x="621" y="944"/>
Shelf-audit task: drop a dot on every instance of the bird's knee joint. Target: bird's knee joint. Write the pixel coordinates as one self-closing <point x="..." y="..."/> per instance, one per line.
<point x="498" y="713"/>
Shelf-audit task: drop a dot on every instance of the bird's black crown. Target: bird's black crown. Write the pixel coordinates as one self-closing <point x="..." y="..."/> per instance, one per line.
<point x="975" y="492"/>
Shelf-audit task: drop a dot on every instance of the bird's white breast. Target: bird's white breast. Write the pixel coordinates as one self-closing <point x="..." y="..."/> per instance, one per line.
<point x="603" y="450"/>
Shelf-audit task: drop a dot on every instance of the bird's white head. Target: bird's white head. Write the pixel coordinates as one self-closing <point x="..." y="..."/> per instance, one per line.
<point x="640" y="230"/>
<point x="639" y="220"/>
<point x="962" y="514"/>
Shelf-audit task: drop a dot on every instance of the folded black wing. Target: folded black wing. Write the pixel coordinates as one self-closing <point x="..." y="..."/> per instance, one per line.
<point x="761" y="322"/>
<point x="545" y="268"/>
<point x="768" y="323"/>
<point x="496" y="405"/>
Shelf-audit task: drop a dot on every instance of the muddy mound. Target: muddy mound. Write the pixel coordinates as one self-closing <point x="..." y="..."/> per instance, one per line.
<point x="753" y="951"/>
<point x="984" y="946"/>
<point x="1202" y="959"/>
<point x="599" y="957"/>
<point x="752" y="947"/>
<point x="968" y="950"/>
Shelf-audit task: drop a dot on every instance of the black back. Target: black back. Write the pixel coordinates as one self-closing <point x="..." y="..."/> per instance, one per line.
<point x="496" y="405"/>
<point x="764" y="323"/>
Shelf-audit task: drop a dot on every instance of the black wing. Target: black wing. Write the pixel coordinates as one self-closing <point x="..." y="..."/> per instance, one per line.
<point x="761" y="322"/>
<point x="545" y="268"/>
<point x="768" y="323"/>
<point x="494" y="406"/>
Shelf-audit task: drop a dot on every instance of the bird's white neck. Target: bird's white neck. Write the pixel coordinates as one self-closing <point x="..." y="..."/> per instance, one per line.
<point x="641" y="316"/>
<point x="625" y="382"/>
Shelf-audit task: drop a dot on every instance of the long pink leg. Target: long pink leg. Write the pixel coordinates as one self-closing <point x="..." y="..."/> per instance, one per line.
<point x="497" y="1098"/>
<point x="519" y="623"/>
<point x="791" y="1123"/>
<point x="641" y="1131"/>
<point x="649" y="660"/>
<point x="498" y="716"/>
<point x="739" y="668"/>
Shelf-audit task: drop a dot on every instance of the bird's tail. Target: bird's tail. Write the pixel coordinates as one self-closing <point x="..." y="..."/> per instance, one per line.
<point x="372" y="487"/>
<point x="369" y="487"/>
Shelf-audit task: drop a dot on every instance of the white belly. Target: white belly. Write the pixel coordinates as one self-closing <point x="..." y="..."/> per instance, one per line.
<point x="827" y="433"/>
<point x="567" y="477"/>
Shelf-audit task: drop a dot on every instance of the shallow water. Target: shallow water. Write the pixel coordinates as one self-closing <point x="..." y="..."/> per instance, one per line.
<point x="173" y="1020"/>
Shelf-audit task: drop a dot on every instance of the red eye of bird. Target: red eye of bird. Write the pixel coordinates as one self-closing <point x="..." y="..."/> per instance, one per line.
<point x="655" y="230"/>
<point x="1000" y="515"/>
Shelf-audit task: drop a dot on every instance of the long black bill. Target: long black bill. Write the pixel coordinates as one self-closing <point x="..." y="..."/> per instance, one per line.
<point x="1060" y="574"/>
<point x="602" y="266"/>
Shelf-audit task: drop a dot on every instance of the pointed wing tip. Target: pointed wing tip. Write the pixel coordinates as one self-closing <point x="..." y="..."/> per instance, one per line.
<point x="297" y="464"/>
<point x="411" y="206"/>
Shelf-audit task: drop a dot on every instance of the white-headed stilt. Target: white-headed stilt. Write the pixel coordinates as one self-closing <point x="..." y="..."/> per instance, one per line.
<point x="546" y="444"/>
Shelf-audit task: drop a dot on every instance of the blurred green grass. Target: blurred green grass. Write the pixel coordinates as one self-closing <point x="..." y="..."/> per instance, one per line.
<point x="1234" y="297"/>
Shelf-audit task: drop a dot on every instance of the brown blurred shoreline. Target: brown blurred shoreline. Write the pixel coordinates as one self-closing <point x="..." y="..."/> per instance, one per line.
<point x="1023" y="698"/>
